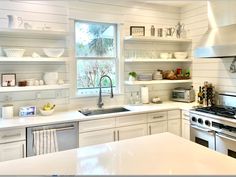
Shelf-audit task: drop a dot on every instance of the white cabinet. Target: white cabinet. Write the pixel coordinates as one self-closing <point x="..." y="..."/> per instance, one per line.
<point x="12" y="144"/>
<point x="185" y="125"/>
<point x="174" y="126"/>
<point x="97" y="137"/>
<point x="157" y="127"/>
<point x="131" y="131"/>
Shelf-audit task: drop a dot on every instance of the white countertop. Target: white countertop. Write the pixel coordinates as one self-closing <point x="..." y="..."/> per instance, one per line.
<point x="164" y="154"/>
<point x="74" y="115"/>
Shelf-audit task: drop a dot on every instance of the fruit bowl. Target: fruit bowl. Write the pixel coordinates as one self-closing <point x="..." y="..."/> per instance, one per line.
<point x="14" y="52"/>
<point x="46" y="112"/>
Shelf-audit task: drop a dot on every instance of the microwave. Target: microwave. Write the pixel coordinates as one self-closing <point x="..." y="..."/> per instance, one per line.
<point x="183" y="95"/>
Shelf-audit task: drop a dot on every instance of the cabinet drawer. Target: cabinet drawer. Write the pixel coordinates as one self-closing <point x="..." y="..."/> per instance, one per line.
<point x="174" y="114"/>
<point x="157" y="116"/>
<point x="131" y="120"/>
<point x="100" y="124"/>
<point x="12" y="135"/>
<point x="185" y="115"/>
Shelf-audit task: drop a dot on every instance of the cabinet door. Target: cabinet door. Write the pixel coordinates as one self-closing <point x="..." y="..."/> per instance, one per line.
<point x="157" y="127"/>
<point x="96" y="137"/>
<point x="174" y="126"/>
<point x="131" y="131"/>
<point x="174" y="114"/>
<point x="186" y="129"/>
<point x="10" y="151"/>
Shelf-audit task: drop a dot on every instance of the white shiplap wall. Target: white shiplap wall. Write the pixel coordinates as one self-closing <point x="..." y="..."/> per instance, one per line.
<point x="211" y="70"/>
<point x="59" y="15"/>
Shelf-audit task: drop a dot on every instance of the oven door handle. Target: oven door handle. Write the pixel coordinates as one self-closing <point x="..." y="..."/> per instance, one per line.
<point x="203" y="129"/>
<point x="226" y="137"/>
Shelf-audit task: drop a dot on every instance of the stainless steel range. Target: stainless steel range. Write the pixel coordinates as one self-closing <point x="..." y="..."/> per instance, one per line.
<point x="215" y="127"/>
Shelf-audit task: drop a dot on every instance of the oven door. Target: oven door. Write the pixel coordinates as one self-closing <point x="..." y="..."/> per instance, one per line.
<point x="202" y="136"/>
<point x="226" y="144"/>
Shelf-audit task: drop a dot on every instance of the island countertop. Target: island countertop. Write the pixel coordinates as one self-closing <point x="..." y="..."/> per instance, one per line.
<point x="160" y="154"/>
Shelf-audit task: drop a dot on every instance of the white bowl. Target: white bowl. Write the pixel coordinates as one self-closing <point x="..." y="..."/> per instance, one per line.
<point x="14" y="52"/>
<point x="46" y="113"/>
<point x="180" y="55"/>
<point x="54" y="53"/>
<point x="164" y="55"/>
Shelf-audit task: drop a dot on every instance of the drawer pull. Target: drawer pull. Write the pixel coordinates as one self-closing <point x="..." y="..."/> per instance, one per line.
<point x="114" y="135"/>
<point x="150" y="130"/>
<point x="11" y="136"/>
<point x="118" y="135"/>
<point x="157" y="117"/>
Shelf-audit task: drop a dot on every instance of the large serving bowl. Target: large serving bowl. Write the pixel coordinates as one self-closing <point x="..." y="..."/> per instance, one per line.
<point x="53" y="53"/>
<point x="180" y="55"/>
<point x="14" y="52"/>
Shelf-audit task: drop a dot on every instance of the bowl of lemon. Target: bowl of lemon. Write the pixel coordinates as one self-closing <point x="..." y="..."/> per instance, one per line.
<point x="47" y="109"/>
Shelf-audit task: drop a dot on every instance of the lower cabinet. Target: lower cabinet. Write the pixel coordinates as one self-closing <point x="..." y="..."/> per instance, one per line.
<point x="174" y="126"/>
<point x="131" y="131"/>
<point x="186" y="129"/>
<point x="96" y="137"/>
<point x="110" y="135"/>
<point x="14" y="150"/>
<point x="157" y="127"/>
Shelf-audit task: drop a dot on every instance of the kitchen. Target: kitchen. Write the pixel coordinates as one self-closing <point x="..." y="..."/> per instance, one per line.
<point x="133" y="108"/>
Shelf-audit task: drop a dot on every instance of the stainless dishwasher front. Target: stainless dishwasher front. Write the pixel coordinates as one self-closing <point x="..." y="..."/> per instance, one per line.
<point x="67" y="136"/>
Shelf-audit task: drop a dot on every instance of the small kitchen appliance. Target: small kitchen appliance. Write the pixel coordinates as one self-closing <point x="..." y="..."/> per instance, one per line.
<point x="183" y="95"/>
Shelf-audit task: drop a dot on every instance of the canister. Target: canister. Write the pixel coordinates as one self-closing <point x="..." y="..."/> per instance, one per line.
<point x="7" y="111"/>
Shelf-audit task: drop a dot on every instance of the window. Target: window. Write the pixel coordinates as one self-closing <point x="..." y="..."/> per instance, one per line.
<point x="96" y="54"/>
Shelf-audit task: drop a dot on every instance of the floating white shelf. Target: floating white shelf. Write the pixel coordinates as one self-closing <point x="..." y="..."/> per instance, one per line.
<point x="157" y="82"/>
<point x="156" y="60"/>
<point x="31" y="59"/>
<point x="33" y="33"/>
<point x="34" y="88"/>
<point x="155" y="39"/>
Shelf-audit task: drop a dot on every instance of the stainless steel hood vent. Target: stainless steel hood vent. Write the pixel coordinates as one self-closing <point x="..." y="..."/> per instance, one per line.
<point x="220" y="39"/>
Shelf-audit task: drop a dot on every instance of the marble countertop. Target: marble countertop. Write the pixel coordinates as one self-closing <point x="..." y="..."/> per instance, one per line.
<point x="74" y="115"/>
<point x="160" y="154"/>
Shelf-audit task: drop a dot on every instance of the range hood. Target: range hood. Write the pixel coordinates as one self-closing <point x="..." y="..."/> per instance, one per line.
<point x="220" y="40"/>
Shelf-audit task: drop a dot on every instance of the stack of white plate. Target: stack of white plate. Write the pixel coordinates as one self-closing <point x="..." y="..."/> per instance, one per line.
<point x="50" y="78"/>
<point x="145" y="77"/>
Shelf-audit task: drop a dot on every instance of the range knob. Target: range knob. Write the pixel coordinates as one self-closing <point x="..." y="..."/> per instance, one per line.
<point x="194" y="119"/>
<point x="200" y="121"/>
<point x="208" y="123"/>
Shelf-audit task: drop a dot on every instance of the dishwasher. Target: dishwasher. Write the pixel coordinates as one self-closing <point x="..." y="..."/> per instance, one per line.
<point x="67" y="136"/>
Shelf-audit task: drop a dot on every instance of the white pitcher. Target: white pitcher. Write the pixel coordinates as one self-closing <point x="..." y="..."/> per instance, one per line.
<point x="14" y="21"/>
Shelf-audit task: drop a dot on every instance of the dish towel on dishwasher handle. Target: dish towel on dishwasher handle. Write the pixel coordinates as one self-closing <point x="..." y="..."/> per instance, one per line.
<point x="45" y="141"/>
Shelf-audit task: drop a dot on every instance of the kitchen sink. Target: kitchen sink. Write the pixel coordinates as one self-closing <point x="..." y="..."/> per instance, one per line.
<point x="103" y="111"/>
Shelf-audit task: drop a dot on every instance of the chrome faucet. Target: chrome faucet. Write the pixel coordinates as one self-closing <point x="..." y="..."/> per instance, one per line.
<point x="100" y="103"/>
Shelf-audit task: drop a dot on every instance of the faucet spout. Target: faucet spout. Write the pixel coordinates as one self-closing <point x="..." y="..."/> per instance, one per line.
<point x="100" y="103"/>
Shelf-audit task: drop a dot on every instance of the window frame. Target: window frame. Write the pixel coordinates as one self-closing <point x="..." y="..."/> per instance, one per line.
<point x="116" y="59"/>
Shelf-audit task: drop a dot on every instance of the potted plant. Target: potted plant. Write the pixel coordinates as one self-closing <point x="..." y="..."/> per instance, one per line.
<point x="132" y="76"/>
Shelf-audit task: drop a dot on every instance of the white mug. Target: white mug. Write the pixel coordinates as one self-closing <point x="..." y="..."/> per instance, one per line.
<point x="14" y="21"/>
<point x="7" y="111"/>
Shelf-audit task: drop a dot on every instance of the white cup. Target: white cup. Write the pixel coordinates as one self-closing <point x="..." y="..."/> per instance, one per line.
<point x="30" y="82"/>
<point x="7" y="111"/>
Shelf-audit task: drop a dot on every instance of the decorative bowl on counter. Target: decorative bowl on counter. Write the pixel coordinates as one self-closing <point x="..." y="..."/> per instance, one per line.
<point x="180" y="55"/>
<point x="14" y="52"/>
<point x="53" y="53"/>
<point x="46" y="112"/>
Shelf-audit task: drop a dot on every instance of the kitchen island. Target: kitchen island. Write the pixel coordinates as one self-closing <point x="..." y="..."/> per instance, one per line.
<point x="164" y="154"/>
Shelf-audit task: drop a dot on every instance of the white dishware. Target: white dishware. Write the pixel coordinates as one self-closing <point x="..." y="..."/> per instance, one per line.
<point x="61" y="81"/>
<point x="50" y="78"/>
<point x="36" y="83"/>
<point x="14" y="21"/>
<point x="180" y="55"/>
<point x="54" y="53"/>
<point x="14" y="52"/>
<point x="30" y="82"/>
<point x="7" y="111"/>
<point x="35" y="55"/>
<point x="164" y="55"/>
<point x="41" y="82"/>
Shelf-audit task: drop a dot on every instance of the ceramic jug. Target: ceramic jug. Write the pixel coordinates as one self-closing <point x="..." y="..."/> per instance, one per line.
<point x="14" y="21"/>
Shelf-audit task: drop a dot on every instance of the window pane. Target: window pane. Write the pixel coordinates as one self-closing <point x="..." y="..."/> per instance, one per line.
<point x="95" y="40"/>
<point x="89" y="73"/>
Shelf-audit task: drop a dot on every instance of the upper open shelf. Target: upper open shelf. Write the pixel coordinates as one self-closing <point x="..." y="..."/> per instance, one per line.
<point x="156" y="39"/>
<point x="33" y="33"/>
